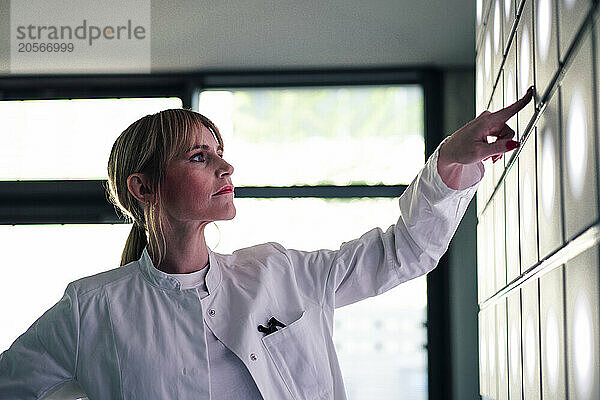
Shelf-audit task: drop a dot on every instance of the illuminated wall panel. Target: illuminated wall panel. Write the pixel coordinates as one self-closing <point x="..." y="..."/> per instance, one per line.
<point x="514" y="345"/>
<point x="548" y="180"/>
<point x="538" y="209"/>
<point x="581" y="206"/>
<point x="531" y="341"/>
<point x="513" y="260"/>
<point x="525" y="62"/>
<point x="496" y="31"/>
<point x="508" y="18"/>
<point x="488" y="64"/>
<point x="546" y="43"/>
<point x="528" y="204"/>
<point x="502" y="351"/>
<point x="582" y="326"/>
<point x="481" y="256"/>
<point x="491" y="351"/>
<point x="510" y="81"/>
<point x="483" y="381"/>
<point x="571" y="15"/>
<point x="552" y="334"/>
<point x="479" y="84"/>
<point x="490" y="271"/>
<point x="499" y="239"/>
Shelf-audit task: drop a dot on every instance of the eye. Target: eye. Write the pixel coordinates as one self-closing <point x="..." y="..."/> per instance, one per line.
<point x="198" y="155"/>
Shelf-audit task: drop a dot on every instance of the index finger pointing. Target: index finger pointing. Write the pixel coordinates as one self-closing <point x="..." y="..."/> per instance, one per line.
<point x="508" y="112"/>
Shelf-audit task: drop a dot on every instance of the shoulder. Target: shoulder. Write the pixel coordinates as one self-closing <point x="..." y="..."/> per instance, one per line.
<point x="92" y="283"/>
<point x="261" y="253"/>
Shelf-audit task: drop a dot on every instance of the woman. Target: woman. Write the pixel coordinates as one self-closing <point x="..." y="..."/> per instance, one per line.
<point x="180" y="321"/>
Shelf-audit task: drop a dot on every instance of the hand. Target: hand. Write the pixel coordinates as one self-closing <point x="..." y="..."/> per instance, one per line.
<point x="469" y="144"/>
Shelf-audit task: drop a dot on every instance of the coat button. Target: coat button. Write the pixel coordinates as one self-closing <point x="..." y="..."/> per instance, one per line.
<point x="212" y="312"/>
<point x="253" y="357"/>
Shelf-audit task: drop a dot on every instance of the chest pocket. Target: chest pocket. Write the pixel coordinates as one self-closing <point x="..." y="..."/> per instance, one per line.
<point x="300" y="355"/>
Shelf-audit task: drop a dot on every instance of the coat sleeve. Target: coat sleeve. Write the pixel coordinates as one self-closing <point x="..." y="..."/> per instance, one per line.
<point x="43" y="358"/>
<point x="430" y="213"/>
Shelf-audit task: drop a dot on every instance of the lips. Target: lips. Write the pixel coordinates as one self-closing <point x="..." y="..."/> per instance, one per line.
<point x="224" y="190"/>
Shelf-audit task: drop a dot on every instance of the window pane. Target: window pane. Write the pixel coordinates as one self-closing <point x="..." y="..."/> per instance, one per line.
<point x="380" y="341"/>
<point x="42" y="259"/>
<point x="66" y="139"/>
<point x="360" y="135"/>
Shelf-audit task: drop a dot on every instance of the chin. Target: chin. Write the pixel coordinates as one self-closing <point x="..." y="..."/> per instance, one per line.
<point x="230" y="214"/>
<point x="222" y="214"/>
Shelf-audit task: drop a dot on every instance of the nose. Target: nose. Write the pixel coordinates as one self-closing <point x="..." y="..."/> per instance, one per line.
<point x="225" y="169"/>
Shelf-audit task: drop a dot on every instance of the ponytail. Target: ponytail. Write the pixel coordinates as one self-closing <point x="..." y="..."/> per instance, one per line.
<point x="136" y="241"/>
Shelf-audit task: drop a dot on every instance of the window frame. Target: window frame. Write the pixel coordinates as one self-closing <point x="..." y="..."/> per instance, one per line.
<point x="84" y="201"/>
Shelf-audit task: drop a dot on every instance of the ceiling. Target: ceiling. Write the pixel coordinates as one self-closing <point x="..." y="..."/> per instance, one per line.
<point x="241" y="34"/>
<point x="308" y="33"/>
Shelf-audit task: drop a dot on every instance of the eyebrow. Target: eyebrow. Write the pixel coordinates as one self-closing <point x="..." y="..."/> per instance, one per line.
<point x="204" y="147"/>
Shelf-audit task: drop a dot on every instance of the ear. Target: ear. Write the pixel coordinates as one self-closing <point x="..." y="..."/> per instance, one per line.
<point x="139" y="187"/>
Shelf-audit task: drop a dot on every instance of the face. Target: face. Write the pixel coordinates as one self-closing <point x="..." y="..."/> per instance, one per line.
<point x="192" y="180"/>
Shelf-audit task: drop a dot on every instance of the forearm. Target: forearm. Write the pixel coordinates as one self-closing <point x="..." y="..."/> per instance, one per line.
<point x="450" y="172"/>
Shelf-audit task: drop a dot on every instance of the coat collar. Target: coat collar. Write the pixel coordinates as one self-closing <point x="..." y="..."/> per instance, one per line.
<point x="165" y="281"/>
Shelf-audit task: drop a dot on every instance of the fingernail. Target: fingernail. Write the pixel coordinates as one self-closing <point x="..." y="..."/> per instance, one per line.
<point x="511" y="145"/>
<point x="531" y="90"/>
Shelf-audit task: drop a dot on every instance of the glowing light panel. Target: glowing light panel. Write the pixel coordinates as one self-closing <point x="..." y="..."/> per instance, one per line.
<point x="501" y="353"/>
<point x="490" y="252"/>
<point x="544" y="27"/>
<point x="487" y="58"/>
<point x="512" y="213"/>
<point x="577" y="143"/>
<point x="551" y="349"/>
<point x="514" y="353"/>
<point x="507" y="9"/>
<point x="583" y="346"/>
<point x="510" y="90"/>
<point x="492" y="348"/>
<point x="527" y="203"/>
<point x="548" y="172"/>
<point x="496" y="26"/>
<point x="483" y="351"/>
<point x="479" y="84"/>
<point x="524" y="60"/>
<point x="510" y="97"/>
<point x="530" y="349"/>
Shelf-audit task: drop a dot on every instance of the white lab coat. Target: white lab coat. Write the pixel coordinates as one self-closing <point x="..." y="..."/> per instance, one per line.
<point x="132" y="333"/>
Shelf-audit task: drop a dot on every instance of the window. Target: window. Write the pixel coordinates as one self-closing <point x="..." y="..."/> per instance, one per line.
<point x="308" y="136"/>
<point x="66" y="139"/>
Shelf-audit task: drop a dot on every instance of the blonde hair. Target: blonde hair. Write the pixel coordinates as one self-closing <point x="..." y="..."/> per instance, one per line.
<point x="147" y="146"/>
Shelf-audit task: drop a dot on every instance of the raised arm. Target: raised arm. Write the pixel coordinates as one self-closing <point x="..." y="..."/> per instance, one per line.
<point x="430" y="210"/>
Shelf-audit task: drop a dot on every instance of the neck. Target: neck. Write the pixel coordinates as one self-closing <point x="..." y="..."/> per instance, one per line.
<point x="186" y="251"/>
